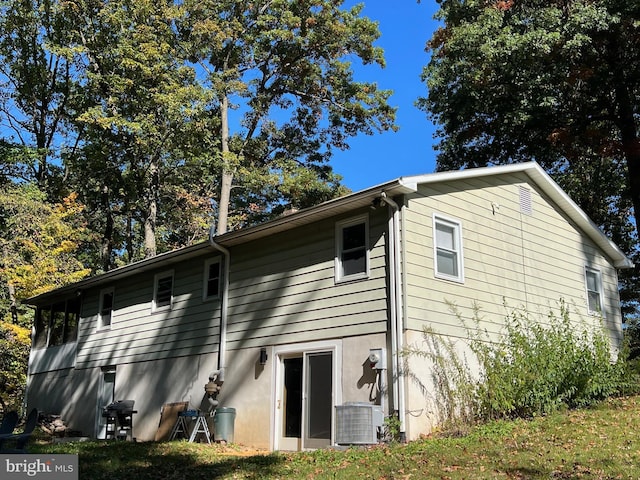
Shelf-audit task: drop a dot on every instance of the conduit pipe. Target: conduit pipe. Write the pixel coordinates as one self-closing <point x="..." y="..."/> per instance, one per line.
<point x="222" y="349"/>
<point x="397" y="340"/>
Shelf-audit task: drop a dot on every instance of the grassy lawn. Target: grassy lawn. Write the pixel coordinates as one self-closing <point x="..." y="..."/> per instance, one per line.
<point x="599" y="443"/>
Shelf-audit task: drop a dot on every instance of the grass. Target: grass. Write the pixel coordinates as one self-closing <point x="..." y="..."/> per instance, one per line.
<point x="597" y="443"/>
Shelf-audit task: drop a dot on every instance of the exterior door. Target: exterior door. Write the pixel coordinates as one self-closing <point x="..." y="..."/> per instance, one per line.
<point x="305" y="401"/>
<point x="105" y="397"/>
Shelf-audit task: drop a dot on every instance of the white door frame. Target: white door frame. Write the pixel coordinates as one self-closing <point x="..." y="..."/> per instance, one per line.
<point x="286" y="351"/>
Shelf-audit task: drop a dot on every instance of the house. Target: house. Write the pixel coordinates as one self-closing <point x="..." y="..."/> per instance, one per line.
<point x="302" y="318"/>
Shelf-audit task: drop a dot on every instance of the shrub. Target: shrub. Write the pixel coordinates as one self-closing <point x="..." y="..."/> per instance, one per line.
<point x="533" y="368"/>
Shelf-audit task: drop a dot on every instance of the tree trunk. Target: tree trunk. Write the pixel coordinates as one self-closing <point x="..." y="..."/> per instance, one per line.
<point x="227" y="170"/>
<point x="626" y="124"/>
<point x="106" y="247"/>
<point x="13" y="303"/>
<point x="152" y="210"/>
<point x="129" y="240"/>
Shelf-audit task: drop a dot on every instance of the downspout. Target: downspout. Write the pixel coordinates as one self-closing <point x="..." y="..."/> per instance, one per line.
<point x="222" y="349"/>
<point x="397" y="341"/>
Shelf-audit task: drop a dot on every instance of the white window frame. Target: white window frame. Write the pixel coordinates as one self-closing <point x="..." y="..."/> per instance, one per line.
<point x="156" y="280"/>
<point x="338" y="266"/>
<point x="456" y="225"/>
<point x="598" y="279"/>
<point x="205" y="281"/>
<point x="101" y="324"/>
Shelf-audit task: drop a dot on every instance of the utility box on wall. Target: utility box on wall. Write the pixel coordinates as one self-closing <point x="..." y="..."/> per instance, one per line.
<point x="378" y="358"/>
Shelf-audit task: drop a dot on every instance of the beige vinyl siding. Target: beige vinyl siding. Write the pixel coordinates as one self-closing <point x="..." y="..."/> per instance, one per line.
<point x="136" y="334"/>
<point x="289" y="293"/>
<point x="511" y="258"/>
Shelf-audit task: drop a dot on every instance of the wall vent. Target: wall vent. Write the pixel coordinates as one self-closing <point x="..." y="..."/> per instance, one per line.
<point x="357" y="423"/>
<point x="526" y="205"/>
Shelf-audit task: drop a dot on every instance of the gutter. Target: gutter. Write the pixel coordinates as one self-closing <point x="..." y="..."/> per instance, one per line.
<point x="397" y="339"/>
<point x="222" y="349"/>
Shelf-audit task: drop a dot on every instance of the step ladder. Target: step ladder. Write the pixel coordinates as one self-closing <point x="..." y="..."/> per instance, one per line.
<point x="201" y="427"/>
<point x="180" y="428"/>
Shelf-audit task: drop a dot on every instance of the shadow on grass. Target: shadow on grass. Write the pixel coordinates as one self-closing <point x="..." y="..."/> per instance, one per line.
<point x="170" y="460"/>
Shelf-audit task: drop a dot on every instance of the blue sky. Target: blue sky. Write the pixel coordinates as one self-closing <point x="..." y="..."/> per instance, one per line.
<point x="405" y="27"/>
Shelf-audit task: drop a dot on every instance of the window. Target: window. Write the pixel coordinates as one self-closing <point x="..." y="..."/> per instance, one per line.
<point x="56" y="328"/>
<point x="57" y="324"/>
<point x="163" y="291"/>
<point x="71" y="321"/>
<point x="594" y="290"/>
<point x="43" y="316"/>
<point x="447" y="247"/>
<point x="212" y="278"/>
<point x="106" y="308"/>
<point x="352" y="249"/>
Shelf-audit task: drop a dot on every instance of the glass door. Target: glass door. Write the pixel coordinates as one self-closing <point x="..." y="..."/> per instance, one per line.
<point x="319" y="400"/>
<point x="305" y="400"/>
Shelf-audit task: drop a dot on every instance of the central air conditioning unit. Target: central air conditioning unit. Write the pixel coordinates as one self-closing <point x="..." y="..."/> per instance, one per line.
<point x="357" y="423"/>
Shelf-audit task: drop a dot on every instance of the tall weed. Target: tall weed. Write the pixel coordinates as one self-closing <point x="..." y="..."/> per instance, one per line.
<point x="531" y="368"/>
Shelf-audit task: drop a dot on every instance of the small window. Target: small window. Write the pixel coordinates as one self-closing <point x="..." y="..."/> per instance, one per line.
<point x="43" y="317"/>
<point x="594" y="290"/>
<point x="163" y="291"/>
<point x="106" y="308"/>
<point x="56" y="332"/>
<point x="352" y="249"/>
<point x="212" y="278"/>
<point x="447" y="246"/>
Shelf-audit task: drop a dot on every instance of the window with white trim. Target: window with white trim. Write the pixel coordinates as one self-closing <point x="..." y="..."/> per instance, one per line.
<point x="212" y="279"/>
<point x="105" y="310"/>
<point x="163" y="291"/>
<point x="593" y="280"/>
<point x="352" y="249"/>
<point x="447" y="248"/>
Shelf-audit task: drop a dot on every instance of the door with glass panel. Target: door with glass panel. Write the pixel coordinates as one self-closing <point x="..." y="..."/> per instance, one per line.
<point x="305" y="400"/>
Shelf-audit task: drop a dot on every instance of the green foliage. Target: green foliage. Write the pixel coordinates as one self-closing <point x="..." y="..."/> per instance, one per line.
<point x="391" y="428"/>
<point x="38" y="78"/>
<point x="534" y="368"/>
<point x="15" y="342"/>
<point x="286" y="68"/>
<point x="38" y="241"/>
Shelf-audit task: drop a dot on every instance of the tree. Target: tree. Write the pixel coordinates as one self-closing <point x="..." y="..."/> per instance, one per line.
<point x="37" y="76"/>
<point x="15" y="341"/>
<point x="142" y="100"/>
<point x="555" y="81"/>
<point x="284" y="93"/>
<point x="38" y="242"/>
